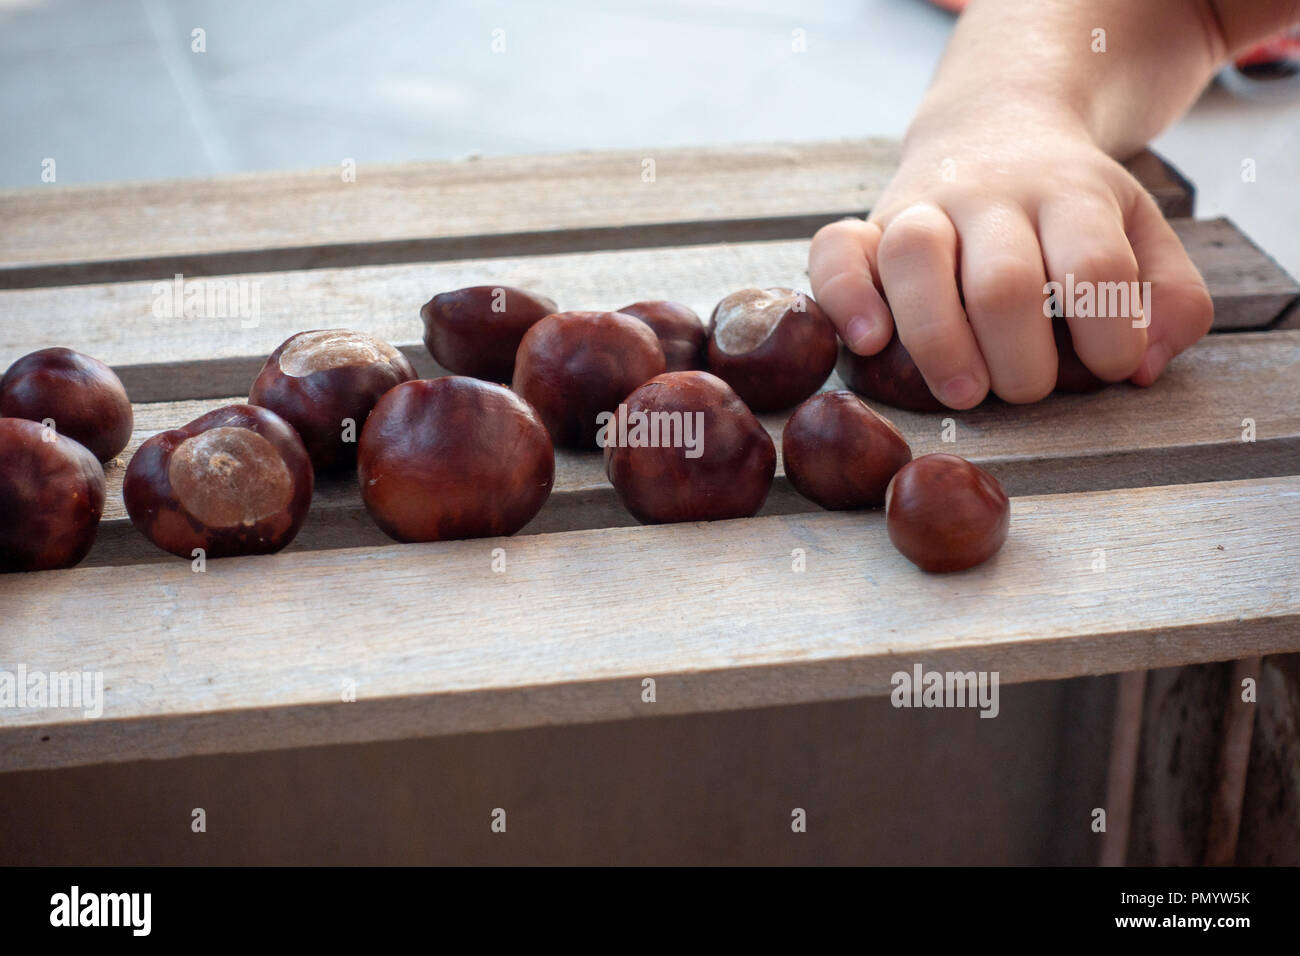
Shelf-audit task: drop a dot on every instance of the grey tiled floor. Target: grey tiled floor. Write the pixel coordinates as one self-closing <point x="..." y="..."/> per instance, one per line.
<point x="111" y="90"/>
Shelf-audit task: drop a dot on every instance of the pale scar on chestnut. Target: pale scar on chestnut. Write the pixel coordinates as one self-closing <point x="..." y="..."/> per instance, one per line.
<point x="312" y="352"/>
<point x="226" y="477"/>
<point x="745" y="320"/>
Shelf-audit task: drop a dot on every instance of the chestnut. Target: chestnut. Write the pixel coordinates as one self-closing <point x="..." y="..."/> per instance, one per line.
<point x="476" y="331"/>
<point x="1072" y="375"/>
<point x="889" y="376"/>
<point x="684" y="447"/>
<point x="453" y="457"/>
<point x="237" y="480"/>
<point x="51" y="497"/>
<point x="945" y="514"/>
<point x="80" y="394"/>
<point x="841" y="454"/>
<point x="319" y="381"/>
<point x="679" y="329"/>
<point x="572" y="366"/>
<point x="775" y="347"/>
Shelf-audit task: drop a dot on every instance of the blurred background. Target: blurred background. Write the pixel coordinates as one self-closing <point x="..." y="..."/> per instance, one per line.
<point x="113" y="89"/>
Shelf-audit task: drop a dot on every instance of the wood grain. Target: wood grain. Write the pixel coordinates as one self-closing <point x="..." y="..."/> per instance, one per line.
<point x="1188" y="428"/>
<point x="253" y="653"/>
<point x="704" y="789"/>
<point x="166" y="359"/>
<point x="57" y="235"/>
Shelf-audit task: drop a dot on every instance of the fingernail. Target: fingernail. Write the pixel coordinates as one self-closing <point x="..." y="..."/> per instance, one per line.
<point x="958" y="390"/>
<point x="858" y="331"/>
<point x="1154" y="362"/>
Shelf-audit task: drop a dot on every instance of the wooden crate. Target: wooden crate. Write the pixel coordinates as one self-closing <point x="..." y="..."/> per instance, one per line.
<point x="522" y="690"/>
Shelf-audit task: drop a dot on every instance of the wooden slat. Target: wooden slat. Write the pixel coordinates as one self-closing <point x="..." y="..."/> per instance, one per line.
<point x="704" y="789"/>
<point x="253" y="653"/>
<point x="1270" y="825"/>
<point x="170" y="359"/>
<point x="1186" y="429"/>
<point x="453" y="210"/>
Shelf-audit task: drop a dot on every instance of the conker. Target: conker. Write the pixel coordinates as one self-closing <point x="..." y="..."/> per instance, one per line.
<point x="945" y="514"/>
<point x="700" y="454"/>
<point x="51" y="497"/>
<point x="237" y="480"/>
<point x="453" y="457"/>
<point x="889" y="376"/>
<point x="324" y="383"/>
<point x="841" y="454"/>
<point x="1071" y="374"/>
<point x="679" y="329"/>
<point x="80" y="394"/>
<point x="572" y="366"/>
<point x="775" y="347"/>
<point x="476" y="331"/>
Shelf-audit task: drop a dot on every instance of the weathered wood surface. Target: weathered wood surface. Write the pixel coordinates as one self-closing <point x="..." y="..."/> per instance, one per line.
<point x="253" y="654"/>
<point x="1188" y="428"/>
<point x="454" y="210"/>
<point x="165" y="359"/>
<point x="705" y="789"/>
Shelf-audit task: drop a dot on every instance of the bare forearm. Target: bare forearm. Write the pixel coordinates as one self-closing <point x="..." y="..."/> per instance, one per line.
<point x="1118" y="70"/>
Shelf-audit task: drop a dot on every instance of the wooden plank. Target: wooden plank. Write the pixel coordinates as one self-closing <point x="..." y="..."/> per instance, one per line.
<point x="703" y="789"/>
<point x="1172" y="191"/>
<point x="448" y="210"/>
<point x="1250" y="290"/>
<point x="1186" y="429"/>
<point x="1125" y="740"/>
<point x="253" y="654"/>
<point x="1270" y="825"/>
<point x="1181" y="730"/>
<point x="1237" y="729"/>
<point x="164" y="359"/>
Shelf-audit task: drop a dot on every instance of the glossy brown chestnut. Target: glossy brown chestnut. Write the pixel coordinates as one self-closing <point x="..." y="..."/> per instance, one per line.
<point x="574" y="365"/>
<point x="840" y="454"/>
<point x="454" y="457"/>
<point x="51" y="497"/>
<point x="476" y="331"/>
<point x="234" y="481"/>
<point x="80" y="394"/>
<point x="1072" y="375"/>
<point x="713" y="461"/>
<point x="679" y="329"/>
<point x="945" y="514"/>
<point x="775" y="347"/>
<point x="889" y="376"/>
<point x="324" y="383"/>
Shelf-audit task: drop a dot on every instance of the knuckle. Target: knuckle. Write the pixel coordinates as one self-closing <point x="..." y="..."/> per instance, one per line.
<point x="832" y="230"/>
<point x="1197" y="308"/>
<point x="1104" y="266"/>
<point x="914" y="237"/>
<point x="1003" y="287"/>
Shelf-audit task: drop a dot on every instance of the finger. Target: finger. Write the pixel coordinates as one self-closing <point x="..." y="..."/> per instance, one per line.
<point x="1181" y="308"/>
<point x="1088" y="255"/>
<point x="840" y="268"/>
<point x="917" y="260"/>
<point x="1002" y="280"/>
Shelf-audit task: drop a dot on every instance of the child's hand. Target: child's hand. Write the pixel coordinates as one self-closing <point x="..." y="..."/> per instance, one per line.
<point x="983" y="212"/>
